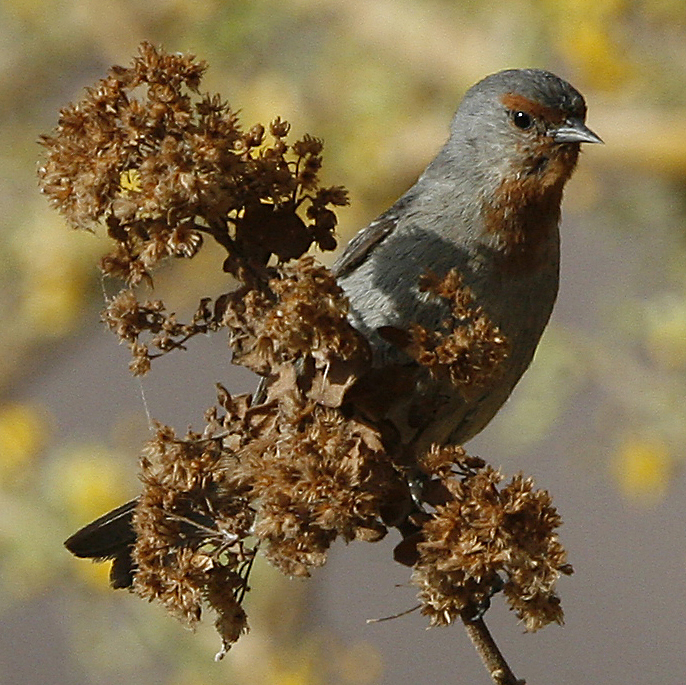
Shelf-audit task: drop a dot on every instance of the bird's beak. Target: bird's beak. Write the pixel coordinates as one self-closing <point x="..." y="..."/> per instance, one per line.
<point x="574" y="131"/>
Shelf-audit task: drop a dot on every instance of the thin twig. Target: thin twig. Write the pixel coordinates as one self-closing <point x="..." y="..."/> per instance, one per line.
<point x="389" y="618"/>
<point x="485" y="645"/>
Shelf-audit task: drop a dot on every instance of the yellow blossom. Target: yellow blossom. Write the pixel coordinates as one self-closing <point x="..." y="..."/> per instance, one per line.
<point x="22" y="435"/>
<point x="642" y="467"/>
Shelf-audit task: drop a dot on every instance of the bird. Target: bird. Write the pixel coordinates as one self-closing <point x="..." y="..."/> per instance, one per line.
<point x="489" y="206"/>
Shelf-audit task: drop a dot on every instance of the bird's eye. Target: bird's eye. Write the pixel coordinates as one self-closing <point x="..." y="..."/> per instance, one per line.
<point x="522" y="120"/>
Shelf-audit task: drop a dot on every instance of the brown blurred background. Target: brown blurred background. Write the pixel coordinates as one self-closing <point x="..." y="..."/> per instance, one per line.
<point x="599" y="420"/>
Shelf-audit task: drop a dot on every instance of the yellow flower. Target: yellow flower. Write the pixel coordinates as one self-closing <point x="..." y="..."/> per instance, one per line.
<point x="92" y="574"/>
<point x="22" y="435"/>
<point x="588" y="33"/>
<point x="130" y="180"/>
<point x="642" y="467"/>
<point x="56" y="272"/>
<point x="88" y="480"/>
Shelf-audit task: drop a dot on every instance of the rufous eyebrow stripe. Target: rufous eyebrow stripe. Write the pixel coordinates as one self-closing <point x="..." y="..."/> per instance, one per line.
<point x="519" y="103"/>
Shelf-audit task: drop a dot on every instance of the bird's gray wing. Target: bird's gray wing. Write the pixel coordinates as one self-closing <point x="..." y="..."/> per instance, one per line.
<point x="361" y="245"/>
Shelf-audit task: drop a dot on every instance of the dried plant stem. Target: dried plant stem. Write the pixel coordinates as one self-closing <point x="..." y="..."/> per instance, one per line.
<point x="485" y="645"/>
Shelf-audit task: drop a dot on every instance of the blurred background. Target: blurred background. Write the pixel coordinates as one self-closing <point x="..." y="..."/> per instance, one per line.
<point x="599" y="420"/>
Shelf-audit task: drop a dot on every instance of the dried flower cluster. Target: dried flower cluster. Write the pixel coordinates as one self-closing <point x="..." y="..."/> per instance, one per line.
<point x="482" y="539"/>
<point x="185" y="550"/>
<point x="129" y="318"/>
<point x="306" y="460"/>
<point x="467" y="348"/>
<point x="301" y="318"/>
<point x="162" y="170"/>
<point x="288" y="476"/>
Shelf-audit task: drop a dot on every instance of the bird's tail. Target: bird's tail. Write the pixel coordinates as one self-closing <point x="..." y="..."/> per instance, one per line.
<point x="109" y="537"/>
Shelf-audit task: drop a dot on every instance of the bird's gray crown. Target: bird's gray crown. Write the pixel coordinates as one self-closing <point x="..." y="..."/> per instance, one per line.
<point x="537" y="85"/>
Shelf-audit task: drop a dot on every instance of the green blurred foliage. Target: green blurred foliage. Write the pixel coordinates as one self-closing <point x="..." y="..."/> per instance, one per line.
<point x="378" y="81"/>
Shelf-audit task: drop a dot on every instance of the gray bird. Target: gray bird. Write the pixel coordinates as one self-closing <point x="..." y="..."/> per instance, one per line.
<point x="487" y="205"/>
